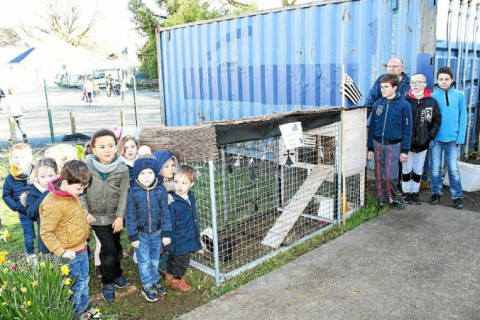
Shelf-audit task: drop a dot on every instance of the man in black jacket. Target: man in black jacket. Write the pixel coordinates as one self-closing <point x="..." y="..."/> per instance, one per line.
<point x="426" y="119"/>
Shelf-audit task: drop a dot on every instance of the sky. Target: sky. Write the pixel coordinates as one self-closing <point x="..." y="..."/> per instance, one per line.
<point x="113" y="32"/>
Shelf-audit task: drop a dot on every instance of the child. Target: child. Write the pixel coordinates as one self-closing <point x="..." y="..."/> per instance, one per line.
<point x="45" y="171"/>
<point x="148" y="219"/>
<point x="167" y="162"/>
<point x="15" y="107"/>
<point x="65" y="229"/>
<point x="390" y="135"/>
<point x="426" y="119"/>
<point x="449" y="139"/>
<point x="128" y="149"/>
<point x="185" y="230"/>
<point x="61" y="153"/>
<point x="15" y="187"/>
<point x="105" y="199"/>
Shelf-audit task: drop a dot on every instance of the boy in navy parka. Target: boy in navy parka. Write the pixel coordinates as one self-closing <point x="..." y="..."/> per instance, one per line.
<point x="389" y="138"/>
<point x="185" y="229"/>
<point x="148" y="223"/>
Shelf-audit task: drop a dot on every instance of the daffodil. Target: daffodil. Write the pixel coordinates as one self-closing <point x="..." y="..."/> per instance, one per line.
<point x="6" y="270"/>
<point x="34" y="283"/>
<point x="24" y="290"/>
<point x="4" y="303"/>
<point x="42" y="264"/>
<point x="5" y="235"/>
<point x="64" y="269"/>
<point x="70" y="292"/>
<point x="29" y="303"/>
<point x="67" y="281"/>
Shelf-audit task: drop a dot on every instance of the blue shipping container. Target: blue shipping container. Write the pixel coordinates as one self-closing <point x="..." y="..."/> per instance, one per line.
<point x="290" y="59"/>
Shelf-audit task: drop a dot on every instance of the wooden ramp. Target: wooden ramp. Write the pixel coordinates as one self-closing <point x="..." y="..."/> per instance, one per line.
<point x="294" y="209"/>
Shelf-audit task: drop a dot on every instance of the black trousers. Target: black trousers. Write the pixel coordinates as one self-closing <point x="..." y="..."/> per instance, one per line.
<point x="111" y="253"/>
<point x="178" y="265"/>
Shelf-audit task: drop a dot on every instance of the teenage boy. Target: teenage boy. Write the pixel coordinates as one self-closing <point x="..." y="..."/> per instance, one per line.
<point x="389" y="138"/>
<point x="449" y="139"/>
<point x="426" y="119"/>
<point x="64" y="230"/>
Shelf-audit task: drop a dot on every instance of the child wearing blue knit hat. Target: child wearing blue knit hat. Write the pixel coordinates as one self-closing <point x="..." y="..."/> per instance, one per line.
<point x="148" y="223"/>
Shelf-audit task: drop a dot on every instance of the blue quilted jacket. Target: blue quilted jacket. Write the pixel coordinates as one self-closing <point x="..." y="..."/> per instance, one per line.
<point x="12" y="190"/>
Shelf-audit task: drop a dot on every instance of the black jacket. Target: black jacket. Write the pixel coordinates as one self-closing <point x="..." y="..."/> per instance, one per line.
<point x="426" y="119"/>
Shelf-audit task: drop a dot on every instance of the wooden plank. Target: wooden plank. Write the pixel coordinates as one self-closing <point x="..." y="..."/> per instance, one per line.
<point x="292" y="212"/>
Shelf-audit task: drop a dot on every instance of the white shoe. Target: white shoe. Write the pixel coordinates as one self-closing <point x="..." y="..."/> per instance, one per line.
<point x="135" y="257"/>
<point x="32" y="259"/>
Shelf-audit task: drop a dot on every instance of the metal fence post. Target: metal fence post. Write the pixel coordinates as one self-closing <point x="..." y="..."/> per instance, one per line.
<point x="73" y="122"/>
<point x="13" y="133"/>
<point x="49" y="112"/>
<point x="135" y="101"/>
<point x="214" y="221"/>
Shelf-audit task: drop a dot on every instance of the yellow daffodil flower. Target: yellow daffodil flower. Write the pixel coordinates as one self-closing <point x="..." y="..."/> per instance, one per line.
<point x="67" y="281"/>
<point x="64" y="269"/>
<point x="24" y="290"/>
<point x="34" y="283"/>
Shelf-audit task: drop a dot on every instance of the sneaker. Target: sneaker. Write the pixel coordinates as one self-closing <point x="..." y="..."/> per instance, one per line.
<point x="408" y="198"/>
<point x="458" y="203"/>
<point x="160" y="289"/>
<point x="168" y="279"/>
<point x="150" y="294"/>
<point x="32" y="259"/>
<point x="92" y="313"/>
<point x="121" y="282"/>
<point x="416" y="198"/>
<point x="108" y="292"/>
<point x="434" y="199"/>
<point x="180" y="285"/>
<point x="394" y="203"/>
<point x="135" y="257"/>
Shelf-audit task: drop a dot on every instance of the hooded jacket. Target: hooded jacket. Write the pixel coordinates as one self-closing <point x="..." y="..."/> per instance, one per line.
<point x="454" y="115"/>
<point x="64" y="221"/>
<point x="185" y="229"/>
<point x="13" y="188"/>
<point x="147" y="210"/>
<point x="391" y="123"/>
<point x="162" y="157"/>
<point x="147" y="207"/>
<point x="426" y="119"/>
<point x="375" y="92"/>
<point x="34" y="199"/>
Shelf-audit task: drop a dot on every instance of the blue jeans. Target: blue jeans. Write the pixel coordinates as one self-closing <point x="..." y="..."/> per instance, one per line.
<point x="29" y="236"/>
<point x="79" y="273"/>
<point x="148" y="254"/>
<point x="450" y="150"/>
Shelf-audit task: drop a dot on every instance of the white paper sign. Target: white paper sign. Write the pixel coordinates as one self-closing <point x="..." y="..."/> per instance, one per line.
<point x="292" y="135"/>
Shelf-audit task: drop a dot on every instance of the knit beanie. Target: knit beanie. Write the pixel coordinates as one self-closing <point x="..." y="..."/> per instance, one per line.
<point x="144" y="163"/>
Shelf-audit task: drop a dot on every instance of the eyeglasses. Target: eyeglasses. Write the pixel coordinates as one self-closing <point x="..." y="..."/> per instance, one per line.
<point x="417" y="83"/>
<point x="396" y="66"/>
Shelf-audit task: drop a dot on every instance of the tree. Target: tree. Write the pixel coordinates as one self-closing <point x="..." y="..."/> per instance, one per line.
<point x="287" y="3"/>
<point x="68" y="21"/>
<point x="175" y="12"/>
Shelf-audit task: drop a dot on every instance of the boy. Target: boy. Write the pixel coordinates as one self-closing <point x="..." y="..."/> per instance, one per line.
<point x="65" y="229"/>
<point x="14" y="188"/>
<point x="185" y="230"/>
<point x="148" y="220"/>
<point x="426" y="119"/>
<point x="389" y="135"/>
<point x="449" y="139"/>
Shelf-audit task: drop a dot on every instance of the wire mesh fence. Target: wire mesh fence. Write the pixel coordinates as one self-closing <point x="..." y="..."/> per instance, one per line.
<point x="258" y="199"/>
<point x="72" y="113"/>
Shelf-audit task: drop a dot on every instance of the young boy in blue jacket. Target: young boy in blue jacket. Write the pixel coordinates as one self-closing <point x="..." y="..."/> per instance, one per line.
<point x="389" y="139"/>
<point x="148" y="224"/>
<point x="185" y="231"/>
<point x="449" y="139"/>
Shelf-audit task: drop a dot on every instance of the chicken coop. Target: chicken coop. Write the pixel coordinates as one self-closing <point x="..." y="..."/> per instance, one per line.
<point x="254" y="197"/>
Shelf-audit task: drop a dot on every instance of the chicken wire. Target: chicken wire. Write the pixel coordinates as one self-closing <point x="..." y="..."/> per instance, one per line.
<point x="259" y="199"/>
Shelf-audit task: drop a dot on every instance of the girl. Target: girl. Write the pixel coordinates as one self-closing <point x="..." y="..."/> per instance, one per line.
<point x="45" y="171"/>
<point x="105" y="199"/>
<point x="128" y="149"/>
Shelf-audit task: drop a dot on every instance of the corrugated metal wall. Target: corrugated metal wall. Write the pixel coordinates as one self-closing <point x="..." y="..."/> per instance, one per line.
<point x="290" y="59"/>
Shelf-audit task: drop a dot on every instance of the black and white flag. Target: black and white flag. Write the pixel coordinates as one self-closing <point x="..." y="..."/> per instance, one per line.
<point x="350" y="89"/>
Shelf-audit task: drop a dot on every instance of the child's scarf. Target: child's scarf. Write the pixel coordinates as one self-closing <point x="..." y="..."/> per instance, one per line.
<point x="105" y="168"/>
<point x="19" y="174"/>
